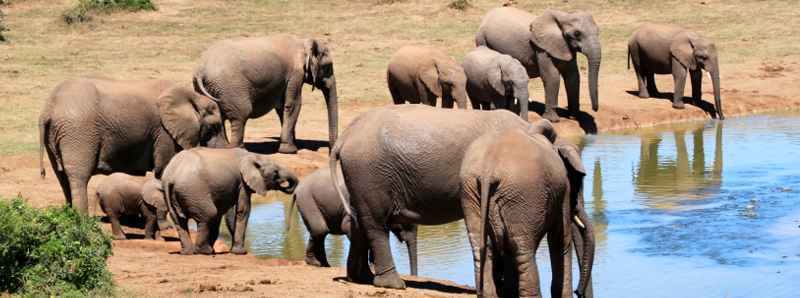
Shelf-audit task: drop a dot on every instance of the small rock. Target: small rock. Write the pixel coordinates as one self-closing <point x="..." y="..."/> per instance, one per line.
<point x="251" y="282"/>
<point x="267" y="282"/>
<point x="163" y="281"/>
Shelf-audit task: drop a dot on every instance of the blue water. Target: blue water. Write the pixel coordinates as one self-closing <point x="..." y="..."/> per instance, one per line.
<point x="698" y="210"/>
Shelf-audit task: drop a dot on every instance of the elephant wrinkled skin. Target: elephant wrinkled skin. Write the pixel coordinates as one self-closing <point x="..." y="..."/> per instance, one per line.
<point x="420" y="75"/>
<point x="496" y="80"/>
<point x="125" y="195"/>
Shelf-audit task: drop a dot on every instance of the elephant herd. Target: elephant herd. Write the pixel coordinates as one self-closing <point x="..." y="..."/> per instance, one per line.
<point x="513" y="182"/>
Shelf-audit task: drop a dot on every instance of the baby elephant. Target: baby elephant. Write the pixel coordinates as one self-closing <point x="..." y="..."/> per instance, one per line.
<point x="420" y="75"/>
<point x="668" y="49"/>
<point x="323" y="213"/>
<point x="496" y="80"/>
<point x="204" y="183"/>
<point x="125" y="195"/>
<point x="516" y="189"/>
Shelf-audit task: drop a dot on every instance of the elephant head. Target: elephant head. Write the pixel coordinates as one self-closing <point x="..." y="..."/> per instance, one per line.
<point x="584" y="238"/>
<point x="191" y="119"/>
<point x="446" y="79"/>
<point x="511" y="78"/>
<point x="562" y="34"/>
<point x="153" y="195"/>
<point x="693" y="51"/>
<point x="318" y="69"/>
<point x="260" y="174"/>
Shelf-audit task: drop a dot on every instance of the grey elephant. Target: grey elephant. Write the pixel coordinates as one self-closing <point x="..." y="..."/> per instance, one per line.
<point x="401" y="164"/>
<point x="496" y="80"/>
<point x="323" y="213"/>
<point x="515" y="189"/>
<point x="669" y="49"/>
<point x="99" y="126"/>
<point x="252" y="76"/>
<point x="546" y="46"/>
<point x="422" y="74"/>
<point x="203" y="184"/>
<point x="125" y="195"/>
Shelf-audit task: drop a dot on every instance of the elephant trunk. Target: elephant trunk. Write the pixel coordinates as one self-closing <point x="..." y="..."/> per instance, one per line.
<point x="289" y="178"/>
<point x="460" y="96"/>
<point x="593" y="55"/>
<point x="331" y="100"/>
<point x="521" y="95"/>
<point x="163" y="224"/>
<point x="714" y="71"/>
<point x="584" y="246"/>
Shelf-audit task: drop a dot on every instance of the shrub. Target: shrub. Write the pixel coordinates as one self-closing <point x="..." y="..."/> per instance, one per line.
<point x="54" y="251"/>
<point x="459" y="4"/>
<point x="3" y="27"/>
<point x="82" y="11"/>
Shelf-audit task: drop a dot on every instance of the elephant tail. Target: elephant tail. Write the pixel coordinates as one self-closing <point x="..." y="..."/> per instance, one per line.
<point x="172" y="204"/>
<point x="200" y="88"/>
<point x="337" y="177"/>
<point x="485" y="188"/>
<point x="44" y="134"/>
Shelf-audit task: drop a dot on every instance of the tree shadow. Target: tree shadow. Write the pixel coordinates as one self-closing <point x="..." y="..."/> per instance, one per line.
<point x="427" y="285"/>
<point x="707" y="107"/>
<point x="271" y="145"/>
<point x="584" y="119"/>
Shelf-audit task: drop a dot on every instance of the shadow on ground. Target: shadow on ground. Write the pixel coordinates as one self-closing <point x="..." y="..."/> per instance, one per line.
<point x="707" y="107"/>
<point x="427" y="285"/>
<point x="270" y="146"/>
<point x="585" y="121"/>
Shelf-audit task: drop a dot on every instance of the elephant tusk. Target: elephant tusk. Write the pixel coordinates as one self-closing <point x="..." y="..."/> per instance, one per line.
<point x="578" y="221"/>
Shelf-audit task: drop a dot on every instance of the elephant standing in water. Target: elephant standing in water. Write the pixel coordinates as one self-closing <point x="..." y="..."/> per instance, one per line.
<point x="125" y="195"/>
<point x="546" y="46"/>
<point x="420" y="75"/>
<point x="323" y="213"/>
<point x="515" y="189"/>
<point x="496" y="80"/>
<point x="401" y="164"/>
<point x="668" y="49"/>
<point x="99" y="126"/>
<point x="204" y="183"/>
<point x="252" y="76"/>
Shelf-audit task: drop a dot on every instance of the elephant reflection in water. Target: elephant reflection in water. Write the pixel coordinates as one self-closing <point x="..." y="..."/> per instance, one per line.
<point x="599" y="219"/>
<point x="665" y="181"/>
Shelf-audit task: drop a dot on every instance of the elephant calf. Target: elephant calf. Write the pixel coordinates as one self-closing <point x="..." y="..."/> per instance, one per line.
<point x="204" y="183"/>
<point x="420" y="75"/>
<point x="125" y="195"/>
<point x="496" y="80"/>
<point x="323" y="213"/>
<point x="517" y="188"/>
<point x="668" y="49"/>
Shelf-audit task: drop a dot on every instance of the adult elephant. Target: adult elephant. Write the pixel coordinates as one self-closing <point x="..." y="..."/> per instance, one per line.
<point x="421" y="74"/>
<point x="496" y="80"/>
<point x="99" y="126"/>
<point x="252" y="76"/>
<point x="401" y="164"/>
<point x="669" y="49"/>
<point x="546" y="46"/>
<point x="516" y="189"/>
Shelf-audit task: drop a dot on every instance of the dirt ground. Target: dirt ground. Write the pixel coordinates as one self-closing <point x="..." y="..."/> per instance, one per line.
<point x="152" y="268"/>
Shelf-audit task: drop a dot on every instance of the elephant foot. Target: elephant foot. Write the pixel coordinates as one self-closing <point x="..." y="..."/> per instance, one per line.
<point x="187" y="251"/>
<point x="120" y="237"/>
<point x="550" y="115"/>
<point x="149" y="237"/>
<point x="238" y="250"/>
<point x="721" y="117"/>
<point x="205" y="250"/>
<point x="390" y="280"/>
<point x="644" y="94"/>
<point x="287" y="148"/>
<point x="678" y="105"/>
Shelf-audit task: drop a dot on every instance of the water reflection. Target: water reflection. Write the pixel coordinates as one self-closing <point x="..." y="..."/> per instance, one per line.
<point x="667" y="176"/>
<point x="599" y="219"/>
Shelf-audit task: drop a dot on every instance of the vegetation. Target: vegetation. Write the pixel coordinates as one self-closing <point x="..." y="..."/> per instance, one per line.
<point x="82" y="11"/>
<point x="52" y="252"/>
<point x="2" y="23"/>
<point x="459" y="4"/>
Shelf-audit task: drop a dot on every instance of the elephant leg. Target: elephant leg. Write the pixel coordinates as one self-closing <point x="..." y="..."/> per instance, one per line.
<point x="487" y="106"/>
<point x="317" y="228"/>
<point x="558" y="241"/>
<point x="679" y="75"/>
<point x="572" y="83"/>
<point x="697" y="85"/>
<point x="641" y="78"/>
<point x="201" y="241"/>
<point x="237" y="131"/>
<point x="448" y="102"/>
<point x="470" y="198"/>
<point x="410" y="237"/>
<point x="315" y="251"/>
<point x="651" y="84"/>
<point x="182" y="225"/>
<point x="523" y="253"/>
<point x="116" y="228"/>
<point x="550" y="79"/>
<point x="293" y="101"/>
<point x="242" y="216"/>
<point x="230" y="221"/>
<point x="476" y="104"/>
<point x="213" y="231"/>
<point x="150" y="222"/>
<point x="357" y="261"/>
<point x="386" y="275"/>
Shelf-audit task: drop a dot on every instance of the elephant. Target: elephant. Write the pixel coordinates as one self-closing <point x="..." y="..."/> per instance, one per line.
<point x="203" y="184"/>
<point x="252" y="76"/>
<point x="515" y="189"/>
<point x="670" y="49"/>
<point x="95" y="125"/>
<point x="121" y="194"/>
<point x="496" y="80"/>
<point x="323" y="214"/>
<point x="400" y="164"/>
<point x="546" y="46"/>
<point x="422" y="74"/>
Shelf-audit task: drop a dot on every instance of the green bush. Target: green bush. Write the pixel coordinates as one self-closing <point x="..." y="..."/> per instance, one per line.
<point x="82" y="11"/>
<point x="52" y="252"/>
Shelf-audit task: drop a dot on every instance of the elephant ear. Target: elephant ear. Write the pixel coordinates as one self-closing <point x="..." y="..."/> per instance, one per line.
<point x="682" y="48"/>
<point x="252" y="175"/>
<point x="179" y="116"/>
<point x="572" y="159"/>
<point x="430" y="78"/>
<point x="313" y="53"/>
<point x="546" y="34"/>
<point x="545" y="128"/>
<point x="153" y="194"/>
<point x="495" y="77"/>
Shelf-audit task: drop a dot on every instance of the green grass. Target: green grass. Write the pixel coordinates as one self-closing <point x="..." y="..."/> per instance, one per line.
<point x="53" y="251"/>
<point x="362" y="34"/>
